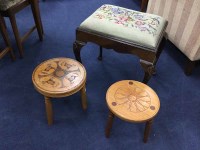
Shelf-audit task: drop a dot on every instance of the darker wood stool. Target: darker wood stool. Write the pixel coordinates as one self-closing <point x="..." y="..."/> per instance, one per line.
<point x="59" y="77"/>
<point x="10" y="12"/>
<point x="124" y="31"/>
<point x="8" y="48"/>
<point x="132" y="101"/>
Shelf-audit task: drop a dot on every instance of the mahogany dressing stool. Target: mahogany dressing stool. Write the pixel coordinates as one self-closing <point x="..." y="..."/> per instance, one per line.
<point x="125" y="31"/>
<point x="59" y="77"/>
<point x="132" y="101"/>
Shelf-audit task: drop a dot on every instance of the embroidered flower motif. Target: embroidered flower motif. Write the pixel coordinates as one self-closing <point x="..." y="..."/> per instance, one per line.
<point x="117" y="11"/>
<point x="139" y="23"/>
<point x="139" y="16"/>
<point x="99" y="16"/>
<point x="122" y="20"/>
<point x="128" y="18"/>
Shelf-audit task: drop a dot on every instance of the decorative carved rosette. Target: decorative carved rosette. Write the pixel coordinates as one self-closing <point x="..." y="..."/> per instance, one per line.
<point x="133" y="99"/>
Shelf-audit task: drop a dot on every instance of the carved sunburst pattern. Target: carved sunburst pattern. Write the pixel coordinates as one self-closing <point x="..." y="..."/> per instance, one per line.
<point x="132" y="98"/>
<point x="59" y="74"/>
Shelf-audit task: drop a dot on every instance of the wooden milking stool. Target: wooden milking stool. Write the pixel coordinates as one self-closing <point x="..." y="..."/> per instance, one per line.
<point x="132" y="101"/>
<point x="59" y="77"/>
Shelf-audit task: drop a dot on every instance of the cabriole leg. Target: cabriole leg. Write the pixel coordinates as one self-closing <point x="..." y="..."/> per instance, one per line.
<point x="100" y="53"/>
<point x="77" y="49"/>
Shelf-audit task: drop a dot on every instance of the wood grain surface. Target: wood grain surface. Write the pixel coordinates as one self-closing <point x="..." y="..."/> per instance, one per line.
<point x="132" y="101"/>
<point x="59" y="77"/>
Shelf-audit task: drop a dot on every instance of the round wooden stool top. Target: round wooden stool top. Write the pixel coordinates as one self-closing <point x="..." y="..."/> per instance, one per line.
<point x="59" y="77"/>
<point x="132" y="101"/>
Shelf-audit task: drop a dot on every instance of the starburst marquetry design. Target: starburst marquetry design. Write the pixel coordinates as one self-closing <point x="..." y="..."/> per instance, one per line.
<point x="132" y="98"/>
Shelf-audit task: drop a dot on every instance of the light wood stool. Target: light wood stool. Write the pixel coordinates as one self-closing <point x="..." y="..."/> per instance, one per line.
<point x="59" y="77"/>
<point x="132" y="101"/>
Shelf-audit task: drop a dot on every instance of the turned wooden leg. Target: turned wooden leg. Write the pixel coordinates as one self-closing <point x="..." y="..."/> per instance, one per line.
<point x="6" y="40"/>
<point x="148" y="70"/>
<point x="84" y="98"/>
<point x="16" y="33"/>
<point x="147" y="130"/>
<point x="77" y="49"/>
<point x="109" y="124"/>
<point x="189" y="67"/>
<point x="100" y="53"/>
<point x="49" y="110"/>
<point x="144" y="5"/>
<point x="36" y="15"/>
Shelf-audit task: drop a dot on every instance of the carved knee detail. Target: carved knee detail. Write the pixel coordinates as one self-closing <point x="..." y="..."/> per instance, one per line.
<point x="77" y="49"/>
<point x="147" y="66"/>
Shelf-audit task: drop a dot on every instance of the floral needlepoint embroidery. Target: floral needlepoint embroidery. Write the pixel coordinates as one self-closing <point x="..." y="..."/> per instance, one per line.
<point x="128" y="18"/>
<point x="139" y="23"/>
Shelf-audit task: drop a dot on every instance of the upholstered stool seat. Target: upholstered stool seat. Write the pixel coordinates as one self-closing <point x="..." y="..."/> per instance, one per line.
<point x="125" y="24"/>
<point x="125" y="31"/>
<point x="6" y="4"/>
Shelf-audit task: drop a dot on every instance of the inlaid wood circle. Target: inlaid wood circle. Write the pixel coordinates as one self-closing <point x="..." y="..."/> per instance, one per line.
<point x="59" y="77"/>
<point x="132" y="101"/>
